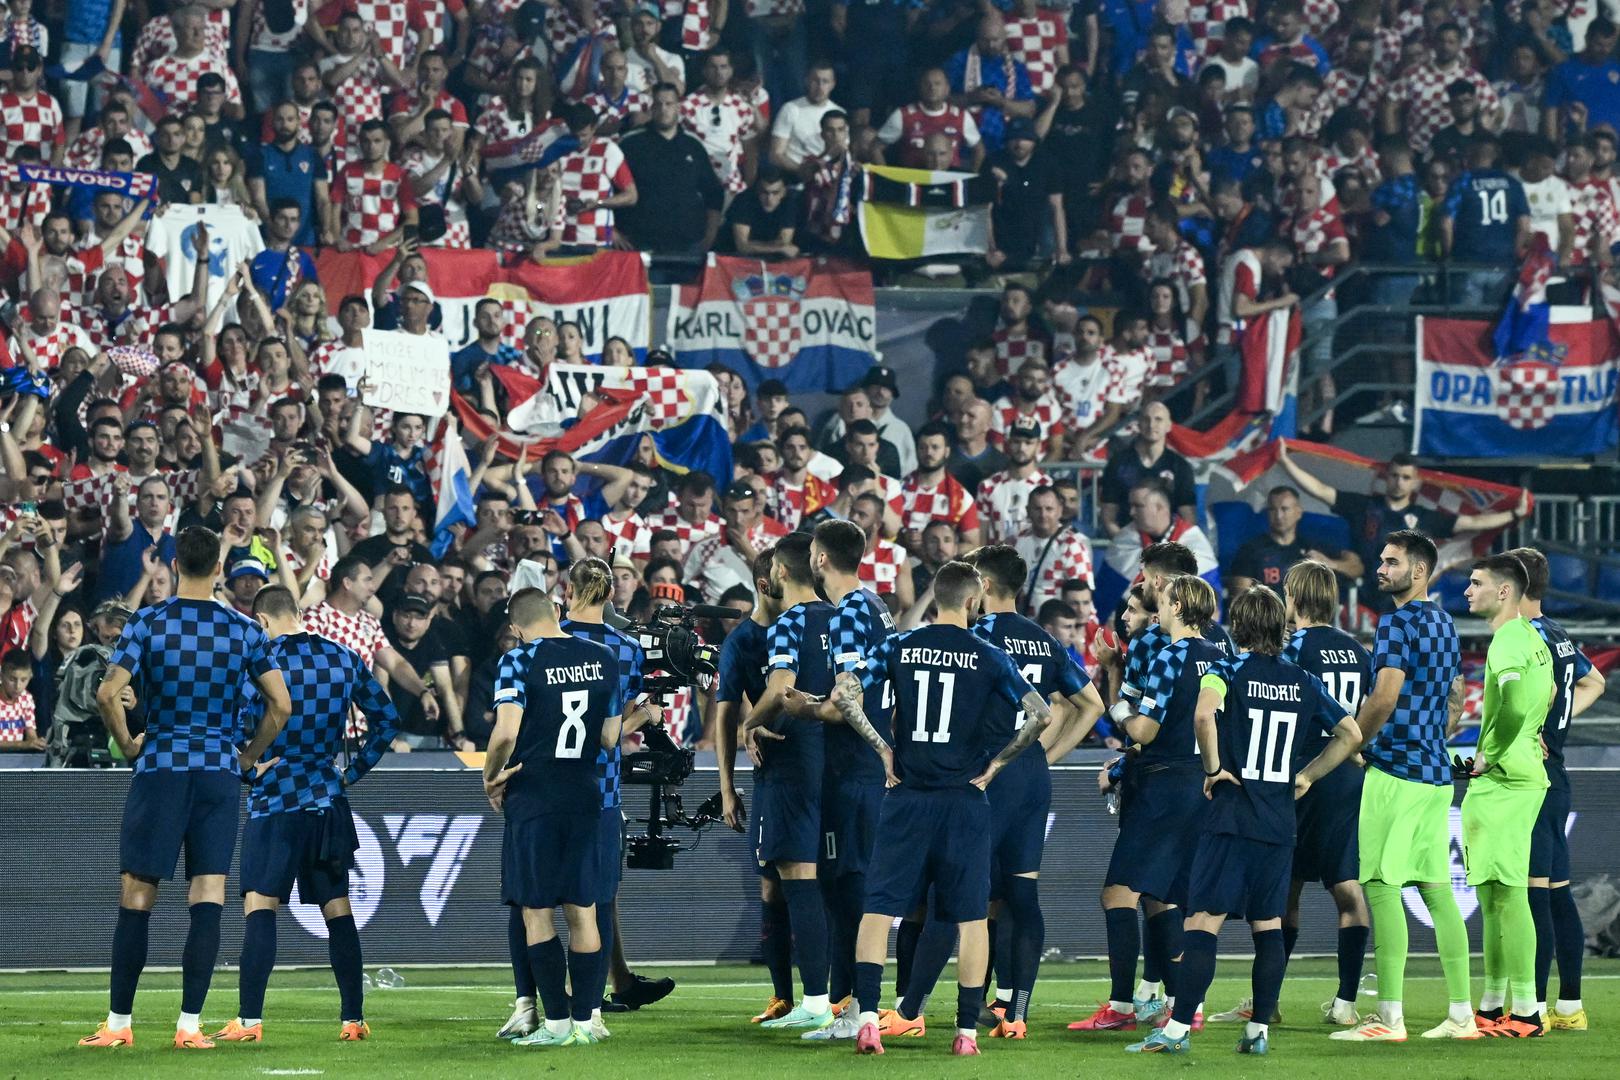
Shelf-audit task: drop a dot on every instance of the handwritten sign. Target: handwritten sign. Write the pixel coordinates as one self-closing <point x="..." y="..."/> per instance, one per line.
<point x="407" y="372"/>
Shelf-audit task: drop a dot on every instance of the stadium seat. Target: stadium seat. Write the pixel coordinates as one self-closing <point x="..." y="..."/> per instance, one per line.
<point x="1450" y="589"/>
<point x="1570" y="574"/>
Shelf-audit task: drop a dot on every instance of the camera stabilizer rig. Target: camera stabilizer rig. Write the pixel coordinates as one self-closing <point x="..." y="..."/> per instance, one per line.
<point x="680" y="660"/>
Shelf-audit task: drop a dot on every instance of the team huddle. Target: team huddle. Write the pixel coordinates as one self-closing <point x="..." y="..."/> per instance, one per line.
<point x="904" y="775"/>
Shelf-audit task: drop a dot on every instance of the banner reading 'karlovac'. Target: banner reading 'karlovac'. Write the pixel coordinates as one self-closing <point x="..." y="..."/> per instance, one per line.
<point x="810" y="323"/>
<point x="1555" y="400"/>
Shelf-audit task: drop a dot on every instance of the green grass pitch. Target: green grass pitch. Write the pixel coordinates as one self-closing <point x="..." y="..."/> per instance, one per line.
<point x="443" y="1022"/>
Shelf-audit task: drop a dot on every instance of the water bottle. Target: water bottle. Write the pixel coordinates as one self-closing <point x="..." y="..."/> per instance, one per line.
<point x="1112" y="800"/>
<point x="366" y="985"/>
<point x="389" y="979"/>
<point x="1369" y="985"/>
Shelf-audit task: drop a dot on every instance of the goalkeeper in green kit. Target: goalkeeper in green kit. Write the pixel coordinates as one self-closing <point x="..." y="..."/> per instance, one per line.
<point x="1506" y="785"/>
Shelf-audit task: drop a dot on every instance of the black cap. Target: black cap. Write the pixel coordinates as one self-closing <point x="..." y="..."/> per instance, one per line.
<point x="772" y="388"/>
<point x="742" y="489"/>
<point x="1020" y="128"/>
<point x="1025" y="428"/>
<point x="210" y="80"/>
<point x="882" y="376"/>
<point x="26" y="56"/>
<point x="416" y="603"/>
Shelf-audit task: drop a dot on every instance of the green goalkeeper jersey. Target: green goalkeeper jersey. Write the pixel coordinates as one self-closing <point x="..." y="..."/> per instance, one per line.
<point x="1518" y="692"/>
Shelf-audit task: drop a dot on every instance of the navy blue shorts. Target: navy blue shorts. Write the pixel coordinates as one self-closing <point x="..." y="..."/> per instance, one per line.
<point x="1549" y="843"/>
<point x="168" y="808"/>
<point x="1159" y="826"/>
<point x="1243" y="878"/>
<point x="610" y="854"/>
<point x="551" y="859"/>
<point x="938" y="838"/>
<point x="1019" y="803"/>
<point x="280" y="850"/>
<point x="1327" y="820"/>
<point x="787" y="823"/>
<point x="849" y="824"/>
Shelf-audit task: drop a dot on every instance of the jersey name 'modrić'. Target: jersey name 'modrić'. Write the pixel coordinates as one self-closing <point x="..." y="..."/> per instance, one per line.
<point x="939" y="658"/>
<point x="1272" y="692"/>
<point x="574" y="673"/>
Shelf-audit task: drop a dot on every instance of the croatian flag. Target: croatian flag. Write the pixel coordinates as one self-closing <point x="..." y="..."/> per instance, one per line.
<point x="1524" y="324"/>
<point x="451" y="489"/>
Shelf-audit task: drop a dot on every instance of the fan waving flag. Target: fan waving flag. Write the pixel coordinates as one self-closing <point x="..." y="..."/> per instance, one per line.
<point x="680" y="409"/>
<point x="451" y="490"/>
<point x="1237" y="496"/>
<point x="1524" y="323"/>
<point x="1555" y="396"/>
<point x="1270" y="383"/>
<point x="810" y="323"/>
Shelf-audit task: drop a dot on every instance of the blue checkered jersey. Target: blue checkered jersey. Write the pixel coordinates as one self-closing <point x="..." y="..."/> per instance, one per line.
<point x="1045" y="665"/>
<point x="943" y="679"/>
<point x="1570" y="666"/>
<point x="567" y="688"/>
<point x="189" y="662"/>
<point x="1170" y="699"/>
<point x="742" y="663"/>
<point x="1344" y="668"/>
<point x="860" y="623"/>
<point x="631" y="658"/>
<point x="1150" y="642"/>
<point x="1269" y="705"/>
<point x="324" y="679"/>
<point x="799" y="642"/>
<point x="1419" y="640"/>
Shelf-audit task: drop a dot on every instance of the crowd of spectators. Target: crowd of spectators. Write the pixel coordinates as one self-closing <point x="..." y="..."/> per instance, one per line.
<point x="1137" y="147"/>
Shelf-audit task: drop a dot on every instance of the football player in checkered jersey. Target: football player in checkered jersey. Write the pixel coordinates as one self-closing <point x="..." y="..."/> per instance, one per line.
<point x="192" y="659"/>
<point x="1405" y="831"/>
<point x="1002" y="497"/>
<point x="300" y="830"/>
<point x="853" y="782"/>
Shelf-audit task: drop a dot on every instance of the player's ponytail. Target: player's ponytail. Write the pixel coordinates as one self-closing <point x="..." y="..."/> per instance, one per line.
<point x="592" y="581"/>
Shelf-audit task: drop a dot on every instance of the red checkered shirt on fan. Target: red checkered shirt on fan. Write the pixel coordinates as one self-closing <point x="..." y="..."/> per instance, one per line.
<point x="1002" y="499"/>
<point x="947" y="500"/>
<point x="592" y="174"/>
<point x="373" y="206"/>
<point x="32" y="121"/>
<point x="17" y="718"/>
<point x="881" y="567"/>
<point x="685" y="532"/>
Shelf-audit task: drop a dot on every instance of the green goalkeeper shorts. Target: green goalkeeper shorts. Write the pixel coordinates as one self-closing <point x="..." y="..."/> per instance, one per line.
<point x="1497" y="825"/>
<point x="1405" y="830"/>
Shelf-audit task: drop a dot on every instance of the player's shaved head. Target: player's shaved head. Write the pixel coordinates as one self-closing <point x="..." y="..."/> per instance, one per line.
<point x="196" y="552"/>
<point x="1313" y="590"/>
<point x="529" y="608"/>
<point x="591" y="580"/>
<point x="275" y="603"/>
<point x="956" y="584"/>
<point x="1191" y="599"/>
<point x="793" y="556"/>
<point x="843" y="542"/>
<point x="1537" y="573"/>
<point x="1507" y="570"/>
<point x="1258" y="619"/>
<point x="1002" y="568"/>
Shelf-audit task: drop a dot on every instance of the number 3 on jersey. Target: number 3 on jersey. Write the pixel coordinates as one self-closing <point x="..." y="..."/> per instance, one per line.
<point x="571" y="736"/>
<point x="925" y="699"/>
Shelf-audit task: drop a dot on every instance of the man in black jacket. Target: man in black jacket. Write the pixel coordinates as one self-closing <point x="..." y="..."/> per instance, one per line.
<point x="677" y="186"/>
